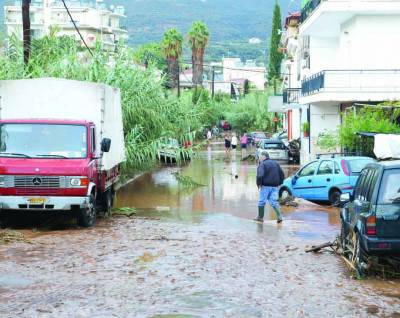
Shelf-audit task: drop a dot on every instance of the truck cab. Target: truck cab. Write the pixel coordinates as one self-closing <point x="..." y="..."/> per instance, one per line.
<point x="55" y="150"/>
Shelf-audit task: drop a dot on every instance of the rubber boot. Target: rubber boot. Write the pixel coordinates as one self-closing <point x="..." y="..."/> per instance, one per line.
<point x="260" y="217"/>
<point x="278" y="214"/>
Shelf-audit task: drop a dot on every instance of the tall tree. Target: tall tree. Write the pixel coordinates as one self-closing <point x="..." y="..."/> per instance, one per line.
<point x="172" y="47"/>
<point x="275" y="56"/>
<point x="198" y="39"/>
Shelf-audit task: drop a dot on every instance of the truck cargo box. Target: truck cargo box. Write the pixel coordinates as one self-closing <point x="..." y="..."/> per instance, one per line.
<point x="61" y="99"/>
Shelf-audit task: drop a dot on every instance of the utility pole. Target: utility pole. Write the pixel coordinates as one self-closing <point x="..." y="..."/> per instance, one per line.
<point x="26" y="26"/>
<point x="179" y="80"/>
<point x="213" y="82"/>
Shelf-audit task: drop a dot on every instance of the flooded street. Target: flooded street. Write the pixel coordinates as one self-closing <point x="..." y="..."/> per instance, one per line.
<point x="190" y="252"/>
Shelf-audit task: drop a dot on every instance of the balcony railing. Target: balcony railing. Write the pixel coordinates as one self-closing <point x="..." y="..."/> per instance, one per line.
<point x="352" y="81"/>
<point x="291" y="95"/>
<point x="313" y="84"/>
<point x="308" y="9"/>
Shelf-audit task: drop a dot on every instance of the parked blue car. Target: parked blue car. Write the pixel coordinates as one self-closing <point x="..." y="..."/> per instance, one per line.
<point x="325" y="179"/>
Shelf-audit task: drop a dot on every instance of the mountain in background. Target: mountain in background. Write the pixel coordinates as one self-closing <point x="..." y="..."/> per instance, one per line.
<point x="231" y="22"/>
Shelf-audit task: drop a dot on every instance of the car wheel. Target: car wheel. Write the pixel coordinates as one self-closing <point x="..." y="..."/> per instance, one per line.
<point x="334" y="197"/>
<point x="284" y="193"/>
<point x="87" y="216"/>
<point x="343" y="240"/>
<point x="359" y="259"/>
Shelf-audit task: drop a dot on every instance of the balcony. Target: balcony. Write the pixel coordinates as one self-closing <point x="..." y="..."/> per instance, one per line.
<point x="309" y="8"/>
<point x="291" y="95"/>
<point x="351" y="85"/>
<point x="323" y="18"/>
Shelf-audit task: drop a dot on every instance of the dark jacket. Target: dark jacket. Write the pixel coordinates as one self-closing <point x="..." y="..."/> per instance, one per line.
<point x="269" y="173"/>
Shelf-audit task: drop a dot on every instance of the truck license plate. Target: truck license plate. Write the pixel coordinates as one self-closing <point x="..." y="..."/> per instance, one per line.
<point x="36" y="200"/>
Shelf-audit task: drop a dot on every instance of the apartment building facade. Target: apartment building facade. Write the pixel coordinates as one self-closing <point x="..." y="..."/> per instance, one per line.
<point x="95" y="20"/>
<point x="291" y="108"/>
<point x="348" y="55"/>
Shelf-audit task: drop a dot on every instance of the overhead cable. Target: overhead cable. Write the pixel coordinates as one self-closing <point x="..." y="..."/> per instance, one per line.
<point x="76" y="28"/>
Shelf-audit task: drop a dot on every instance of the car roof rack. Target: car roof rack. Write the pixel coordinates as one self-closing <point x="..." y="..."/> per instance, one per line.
<point x="334" y="154"/>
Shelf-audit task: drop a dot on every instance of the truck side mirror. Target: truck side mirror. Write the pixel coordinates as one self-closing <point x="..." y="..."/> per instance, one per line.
<point x="105" y="145"/>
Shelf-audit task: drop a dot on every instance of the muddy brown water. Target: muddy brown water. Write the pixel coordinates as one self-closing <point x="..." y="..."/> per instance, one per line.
<point x="190" y="253"/>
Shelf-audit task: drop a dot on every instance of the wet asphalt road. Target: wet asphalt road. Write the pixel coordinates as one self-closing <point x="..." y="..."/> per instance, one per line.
<point x="190" y="253"/>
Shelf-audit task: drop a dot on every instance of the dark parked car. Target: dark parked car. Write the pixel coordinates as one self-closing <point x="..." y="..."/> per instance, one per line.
<point x="254" y="137"/>
<point x="371" y="216"/>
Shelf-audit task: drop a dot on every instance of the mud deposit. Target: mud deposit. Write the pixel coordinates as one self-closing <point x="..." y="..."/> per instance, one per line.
<point x="189" y="253"/>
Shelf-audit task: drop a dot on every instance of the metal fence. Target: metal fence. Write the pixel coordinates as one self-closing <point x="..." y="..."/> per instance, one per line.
<point x="352" y="81"/>
<point x="291" y="95"/>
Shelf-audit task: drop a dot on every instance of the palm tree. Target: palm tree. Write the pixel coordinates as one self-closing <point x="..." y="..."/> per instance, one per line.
<point x="172" y="47"/>
<point x="198" y="40"/>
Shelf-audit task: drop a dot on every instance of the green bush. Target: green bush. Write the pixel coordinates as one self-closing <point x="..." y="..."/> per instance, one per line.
<point x="369" y="119"/>
<point x="250" y="113"/>
<point x="328" y="140"/>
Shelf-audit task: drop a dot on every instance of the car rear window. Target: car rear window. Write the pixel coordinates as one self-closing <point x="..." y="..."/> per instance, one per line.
<point x="260" y="136"/>
<point x="273" y="146"/>
<point x="389" y="191"/>
<point x="356" y="165"/>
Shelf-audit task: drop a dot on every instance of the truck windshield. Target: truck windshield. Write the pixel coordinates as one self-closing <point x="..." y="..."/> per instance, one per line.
<point x="43" y="140"/>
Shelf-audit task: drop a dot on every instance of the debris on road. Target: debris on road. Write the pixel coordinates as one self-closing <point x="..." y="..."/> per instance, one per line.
<point x="289" y="201"/>
<point x="249" y="158"/>
<point x="10" y="236"/>
<point x="187" y="181"/>
<point x="126" y="211"/>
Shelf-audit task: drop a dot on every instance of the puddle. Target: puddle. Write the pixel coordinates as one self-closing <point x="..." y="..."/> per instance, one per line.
<point x="159" y="194"/>
<point x="190" y="253"/>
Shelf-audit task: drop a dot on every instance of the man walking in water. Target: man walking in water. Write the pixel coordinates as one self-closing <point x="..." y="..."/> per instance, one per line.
<point x="269" y="177"/>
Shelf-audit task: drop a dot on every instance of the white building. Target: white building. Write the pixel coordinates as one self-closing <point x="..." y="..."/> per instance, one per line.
<point x="291" y="77"/>
<point x="234" y="70"/>
<point x="349" y="54"/>
<point x="94" y="19"/>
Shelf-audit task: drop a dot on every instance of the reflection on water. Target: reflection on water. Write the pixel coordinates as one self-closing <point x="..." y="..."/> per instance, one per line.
<point x="229" y="187"/>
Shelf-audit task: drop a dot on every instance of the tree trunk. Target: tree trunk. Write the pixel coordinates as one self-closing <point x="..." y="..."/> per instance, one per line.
<point x="26" y="27"/>
<point x="197" y="62"/>
<point x="173" y="72"/>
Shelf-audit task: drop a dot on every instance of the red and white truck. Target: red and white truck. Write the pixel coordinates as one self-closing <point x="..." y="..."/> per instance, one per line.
<point x="61" y="146"/>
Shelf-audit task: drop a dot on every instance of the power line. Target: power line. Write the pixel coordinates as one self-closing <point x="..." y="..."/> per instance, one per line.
<point x="76" y="27"/>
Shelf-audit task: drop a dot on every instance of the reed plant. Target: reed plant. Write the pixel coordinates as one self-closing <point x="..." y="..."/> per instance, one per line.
<point x="151" y="114"/>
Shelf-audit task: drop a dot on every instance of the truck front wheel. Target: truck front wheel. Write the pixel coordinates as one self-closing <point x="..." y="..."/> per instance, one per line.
<point x="87" y="216"/>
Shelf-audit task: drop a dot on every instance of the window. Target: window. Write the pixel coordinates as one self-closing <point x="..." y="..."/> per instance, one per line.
<point x="278" y="146"/>
<point x="337" y="168"/>
<point x="356" y="165"/>
<point x="366" y="185"/>
<point x="93" y="139"/>
<point x="309" y="170"/>
<point x="359" y="185"/>
<point x="374" y="179"/>
<point x="326" y="167"/>
<point x="389" y="191"/>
